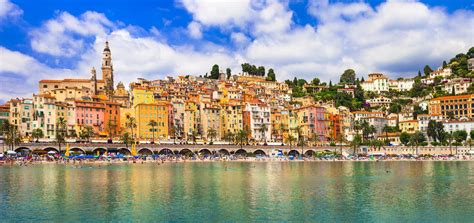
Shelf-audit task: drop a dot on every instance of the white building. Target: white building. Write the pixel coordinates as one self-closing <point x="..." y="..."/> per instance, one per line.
<point x="379" y="101"/>
<point x="466" y="125"/>
<point x="446" y="72"/>
<point x="470" y="64"/>
<point x="401" y="84"/>
<point x="359" y="115"/>
<point x="377" y="82"/>
<point x="256" y="115"/>
<point x="460" y="85"/>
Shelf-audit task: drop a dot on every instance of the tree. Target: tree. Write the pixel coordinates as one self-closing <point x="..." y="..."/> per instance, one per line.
<point x="450" y="138"/>
<point x="405" y="138"/>
<point x="242" y="136"/>
<point x="315" y="81"/>
<point x="417" y="139"/>
<point x="215" y="72"/>
<point x="61" y="131"/>
<point x="459" y="136"/>
<point x="229" y="73"/>
<point x="348" y="77"/>
<point x="131" y="123"/>
<point x="37" y="134"/>
<point x="427" y="70"/>
<point x="431" y="130"/>
<point x="211" y="134"/>
<point x="153" y="124"/>
<point x="12" y="136"/>
<point x="445" y="65"/>
<point x="271" y="75"/>
<point x="261" y="71"/>
<point x="356" y="142"/>
<point x="126" y="139"/>
<point x="194" y="135"/>
<point x="86" y="132"/>
<point x="419" y="73"/>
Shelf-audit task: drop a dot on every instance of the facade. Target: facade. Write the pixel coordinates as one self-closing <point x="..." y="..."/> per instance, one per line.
<point x="459" y="125"/>
<point x="458" y="85"/>
<point x="409" y="126"/>
<point x="379" y="101"/>
<point x="442" y="73"/>
<point x="256" y="117"/>
<point x="470" y="64"/>
<point x="21" y="115"/>
<point x="401" y="84"/>
<point x="145" y="113"/>
<point x="377" y="82"/>
<point x="358" y="115"/>
<point x="112" y="118"/>
<point x="89" y="113"/>
<point x="452" y="107"/>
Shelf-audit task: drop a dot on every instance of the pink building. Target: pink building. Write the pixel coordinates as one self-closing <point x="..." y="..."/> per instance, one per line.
<point x="314" y="120"/>
<point x="89" y="113"/>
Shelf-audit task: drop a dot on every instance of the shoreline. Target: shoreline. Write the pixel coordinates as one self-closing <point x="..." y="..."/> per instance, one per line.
<point x="159" y="162"/>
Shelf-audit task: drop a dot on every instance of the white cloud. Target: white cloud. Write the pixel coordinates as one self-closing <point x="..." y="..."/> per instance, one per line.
<point x="8" y="9"/>
<point x="217" y="12"/>
<point x="64" y="35"/>
<point x="194" y="29"/>
<point x="396" y="37"/>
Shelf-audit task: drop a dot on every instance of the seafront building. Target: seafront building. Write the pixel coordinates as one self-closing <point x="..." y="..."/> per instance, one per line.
<point x="189" y="108"/>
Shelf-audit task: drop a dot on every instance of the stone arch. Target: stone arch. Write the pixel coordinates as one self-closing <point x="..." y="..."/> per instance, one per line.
<point x="205" y="152"/>
<point x="78" y="150"/>
<point x="240" y="152"/>
<point x="124" y="151"/>
<point x="293" y="152"/>
<point x="23" y="149"/>
<point x="309" y="153"/>
<point x="259" y="152"/>
<point x="186" y="152"/>
<point x="145" y="151"/>
<point x="100" y="150"/>
<point x="223" y="152"/>
<point x="165" y="151"/>
<point x="47" y="149"/>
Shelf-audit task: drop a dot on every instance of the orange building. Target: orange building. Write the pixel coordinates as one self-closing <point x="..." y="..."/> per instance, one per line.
<point x="456" y="106"/>
<point x="112" y="118"/>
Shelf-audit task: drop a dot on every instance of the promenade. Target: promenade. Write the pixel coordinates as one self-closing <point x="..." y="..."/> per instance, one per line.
<point x="226" y="149"/>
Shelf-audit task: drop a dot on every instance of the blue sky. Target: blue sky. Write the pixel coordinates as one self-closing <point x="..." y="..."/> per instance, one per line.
<point x="153" y="39"/>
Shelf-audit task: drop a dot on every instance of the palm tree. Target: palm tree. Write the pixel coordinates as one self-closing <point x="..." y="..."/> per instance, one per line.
<point x="37" y="134"/>
<point x="86" y="132"/>
<point x="194" y="135"/>
<point x="211" y="134"/>
<point x="263" y="129"/>
<point x="153" y="124"/>
<point x="61" y="129"/>
<point x="242" y="136"/>
<point x="131" y="123"/>
<point x="300" y="138"/>
<point x="12" y="136"/>
<point x="126" y="139"/>
<point x="290" y="139"/>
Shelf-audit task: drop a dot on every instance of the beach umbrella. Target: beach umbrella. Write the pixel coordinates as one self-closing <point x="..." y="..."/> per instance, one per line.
<point x="134" y="150"/>
<point x="11" y="152"/>
<point x="67" y="150"/>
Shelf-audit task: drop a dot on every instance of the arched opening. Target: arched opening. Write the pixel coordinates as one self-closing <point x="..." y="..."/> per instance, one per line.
<point x="204" y="152"/>
<point x="77" y="151"/>
<point x="223" y="152"/>
<point x="166" y="152"/>
<point x="186" y="152"/>
<point x="49" y="149"/>
<point x="259" y="152"/>
<point x="124" y="151"/>
<point x="240" y="152"/>
<point x="23" y="150"/>
<point x="309" y="153"/>
<point x="145" y="152"/>
<point x="99" y="151"/>
<point x="293" y="153"/>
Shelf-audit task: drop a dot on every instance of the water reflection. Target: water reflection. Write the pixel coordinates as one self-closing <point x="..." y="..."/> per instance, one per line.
<point x="233" y="191"/>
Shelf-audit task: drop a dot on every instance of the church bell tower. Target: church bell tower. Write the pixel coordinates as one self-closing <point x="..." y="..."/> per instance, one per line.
<point x="107" y="70"/>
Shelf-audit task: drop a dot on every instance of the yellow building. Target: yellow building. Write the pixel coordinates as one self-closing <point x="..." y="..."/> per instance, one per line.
<point x="142" y="96"/>
<point x="125" y="114"/>
<point x="190" y="119"/>
<point x="409" y="126"/>
<point x="145" y="113"/>
<point x="231" y="118"/>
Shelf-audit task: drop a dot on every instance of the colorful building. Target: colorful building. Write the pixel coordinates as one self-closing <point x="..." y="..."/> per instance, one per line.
<point x="157" y="112"/>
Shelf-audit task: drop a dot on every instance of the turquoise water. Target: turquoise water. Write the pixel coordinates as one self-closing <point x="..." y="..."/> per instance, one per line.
<point x="272" y="191"/>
